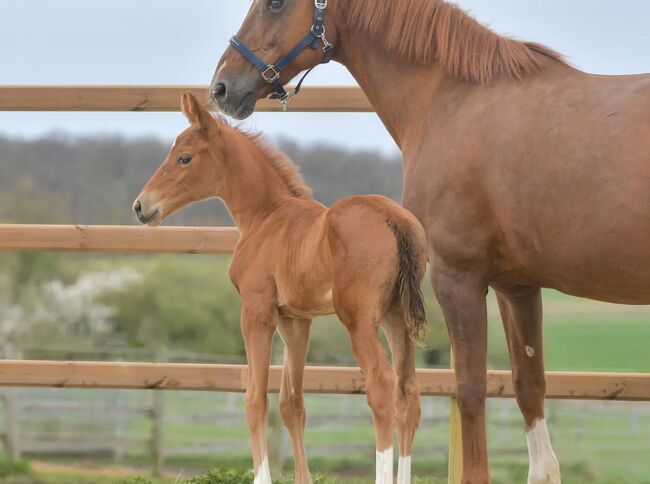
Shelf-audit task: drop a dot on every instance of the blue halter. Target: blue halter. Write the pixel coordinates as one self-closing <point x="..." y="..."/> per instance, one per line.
<point x="271" y="72"/>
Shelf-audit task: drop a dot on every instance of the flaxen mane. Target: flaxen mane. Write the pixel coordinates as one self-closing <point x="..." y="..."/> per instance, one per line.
<point x="426" y="30"/>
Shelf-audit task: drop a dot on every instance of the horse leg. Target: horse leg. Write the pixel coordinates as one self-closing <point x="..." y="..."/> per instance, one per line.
<point x="295" y="334"/>
<point x="380" y="378"/>
<point x="521" y="311"/>
<point x="258" y="335"/>
<point x="462" y="299"/>
<point x="408" y="390"/>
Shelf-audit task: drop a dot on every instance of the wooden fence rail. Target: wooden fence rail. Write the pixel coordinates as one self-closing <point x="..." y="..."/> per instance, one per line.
<point x="326" y="380"/>
<point x="108" y="238"/>
<point x="165" y="98"/>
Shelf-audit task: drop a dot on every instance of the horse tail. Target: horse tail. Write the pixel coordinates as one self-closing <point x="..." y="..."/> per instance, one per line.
<point x="411" y="267"/>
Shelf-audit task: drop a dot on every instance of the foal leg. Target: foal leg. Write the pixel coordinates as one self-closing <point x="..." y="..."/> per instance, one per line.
<point x="381" y="381"/>
<point x="408" y="390"/>
<point x="462" y="299"/>
<point x="521" y="311"/>
<point x="258" y="328"/>
<point x="295" y="334"/>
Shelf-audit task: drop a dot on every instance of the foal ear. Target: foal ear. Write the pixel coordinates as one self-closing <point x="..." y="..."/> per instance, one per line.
<point x="195" y="112"/>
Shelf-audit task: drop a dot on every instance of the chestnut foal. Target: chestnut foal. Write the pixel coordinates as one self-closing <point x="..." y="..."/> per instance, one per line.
<point x="363" y="259"/>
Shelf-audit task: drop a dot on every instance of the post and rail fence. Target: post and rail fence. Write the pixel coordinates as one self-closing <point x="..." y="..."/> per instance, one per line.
<point x="224" y="378"/>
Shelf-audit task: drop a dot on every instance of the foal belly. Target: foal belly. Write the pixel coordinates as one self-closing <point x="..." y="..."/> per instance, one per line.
<point x="306" y="307"/>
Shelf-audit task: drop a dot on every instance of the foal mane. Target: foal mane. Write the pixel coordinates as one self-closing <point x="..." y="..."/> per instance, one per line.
<point x="422" y="31"/>
<point x="279" y="164"/>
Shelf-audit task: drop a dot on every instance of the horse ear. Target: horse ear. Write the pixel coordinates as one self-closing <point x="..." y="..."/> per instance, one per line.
<point x="195" y="112"/>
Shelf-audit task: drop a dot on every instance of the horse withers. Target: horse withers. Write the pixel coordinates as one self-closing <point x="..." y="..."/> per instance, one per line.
<point x="363" y="259"/>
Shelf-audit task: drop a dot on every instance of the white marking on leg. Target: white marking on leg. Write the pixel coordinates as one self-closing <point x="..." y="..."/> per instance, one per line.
<point x="404" y="470"/>
<point x="263" y="475"/>
<point x="384" y="467"/>
<point x="530" y="351"/>
<point x="544" y="467"/>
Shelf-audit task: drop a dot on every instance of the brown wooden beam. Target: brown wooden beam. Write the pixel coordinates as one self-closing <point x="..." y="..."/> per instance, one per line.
<point x="108" y="238"/>
<point x="164" y="98"/>
<point x="326" y="380"/>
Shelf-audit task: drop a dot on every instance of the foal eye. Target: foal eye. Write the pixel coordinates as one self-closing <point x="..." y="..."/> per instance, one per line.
<point x="275" y="4"/>
<point x="184" y="160"/>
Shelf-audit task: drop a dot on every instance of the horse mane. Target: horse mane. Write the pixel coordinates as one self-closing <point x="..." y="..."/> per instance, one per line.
<point x="277" y="161"/>
<point x="422" y="31"/>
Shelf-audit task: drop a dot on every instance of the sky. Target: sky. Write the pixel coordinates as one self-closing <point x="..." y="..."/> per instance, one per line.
<point x="180" y="42"/>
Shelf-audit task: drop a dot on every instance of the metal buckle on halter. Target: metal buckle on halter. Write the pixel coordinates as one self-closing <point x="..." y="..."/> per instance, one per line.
<point x="275" y="74"/>
<point x="326" y="45"/>
<point x="320" y="4"/>
<point x="284" y="101"/>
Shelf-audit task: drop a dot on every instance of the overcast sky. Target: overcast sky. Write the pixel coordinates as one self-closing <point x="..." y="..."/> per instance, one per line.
<point x="179" y="42"/>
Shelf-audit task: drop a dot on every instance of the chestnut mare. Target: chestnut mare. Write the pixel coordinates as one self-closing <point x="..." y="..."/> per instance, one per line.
<point x="364" y="258"/>
<point x="525" y="172"/>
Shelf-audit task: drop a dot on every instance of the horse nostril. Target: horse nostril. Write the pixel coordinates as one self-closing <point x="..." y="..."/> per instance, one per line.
<point x="137" y="207"/>
<point x="219" y="91"/>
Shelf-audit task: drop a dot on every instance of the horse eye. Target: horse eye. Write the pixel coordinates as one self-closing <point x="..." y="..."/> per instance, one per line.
<point x="275" y="4"/>
<point x="184" y="160"/>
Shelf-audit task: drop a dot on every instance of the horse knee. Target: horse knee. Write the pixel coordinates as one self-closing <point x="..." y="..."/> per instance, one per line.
<point x="408" y="399"/>
<point x="256" y="409"/>
<point x="530" y="391"/>
<point x="471" y="399"/>
<point x="382" y="386"/>
<point x="292" y="408"/>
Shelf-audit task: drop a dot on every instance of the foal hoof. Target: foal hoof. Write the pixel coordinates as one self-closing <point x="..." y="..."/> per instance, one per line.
<point x="550" y="474"/>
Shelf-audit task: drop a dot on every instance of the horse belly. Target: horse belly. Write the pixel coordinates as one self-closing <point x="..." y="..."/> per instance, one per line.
<point x="307" y="305"/>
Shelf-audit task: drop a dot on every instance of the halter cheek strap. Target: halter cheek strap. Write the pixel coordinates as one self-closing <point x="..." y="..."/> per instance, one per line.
<point x="271" y="72"/>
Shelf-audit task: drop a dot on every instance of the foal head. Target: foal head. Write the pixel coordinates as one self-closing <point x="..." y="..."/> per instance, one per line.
<point x="191" y="171"/>
<point x="271" y="29"/>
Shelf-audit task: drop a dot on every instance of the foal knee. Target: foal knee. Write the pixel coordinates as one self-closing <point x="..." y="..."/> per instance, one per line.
<point x="382" y="386"/>
<point x="256" y="409"/>
<point x="408" y="400"/>
<point x="292" y="408"/>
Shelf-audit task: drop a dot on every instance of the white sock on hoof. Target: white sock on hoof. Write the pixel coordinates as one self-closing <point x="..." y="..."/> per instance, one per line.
<point x="404" y="470"/>
<point x="544" y="467"/>
<point x="384" y="467"/>
<point x="263" y="475"/>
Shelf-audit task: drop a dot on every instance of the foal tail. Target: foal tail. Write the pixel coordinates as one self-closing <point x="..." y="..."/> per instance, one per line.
<point x="412" y="264"/>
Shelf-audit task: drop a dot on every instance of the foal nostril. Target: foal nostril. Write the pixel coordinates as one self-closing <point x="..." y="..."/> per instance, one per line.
<point x="219" y="91"/>
<point x="137" y="208"/>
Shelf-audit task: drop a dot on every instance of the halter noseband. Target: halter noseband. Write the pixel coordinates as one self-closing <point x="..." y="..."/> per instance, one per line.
<point x="271" y="72"/>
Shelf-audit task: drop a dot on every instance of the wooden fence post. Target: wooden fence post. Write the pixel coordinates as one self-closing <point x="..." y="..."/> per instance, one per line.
<point x="455" y="440"/>
<point x="12" y="434"/>
<point x="12" y="409"/>
<point x="158" y="424"/>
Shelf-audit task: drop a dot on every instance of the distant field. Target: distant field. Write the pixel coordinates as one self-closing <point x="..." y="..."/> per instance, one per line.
<point x="581" y="334"/>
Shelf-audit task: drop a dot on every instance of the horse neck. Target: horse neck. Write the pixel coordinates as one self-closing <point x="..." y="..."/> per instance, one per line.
<point x="251" y="190"/>
<point x="401" y="92"/>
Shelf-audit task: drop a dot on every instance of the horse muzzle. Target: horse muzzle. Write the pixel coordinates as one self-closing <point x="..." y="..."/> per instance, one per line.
<point x="235" y="96"/>
<point x="146" y="215"/>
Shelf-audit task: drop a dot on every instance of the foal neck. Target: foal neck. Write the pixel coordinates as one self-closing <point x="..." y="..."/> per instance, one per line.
<point x="256" y="179"/>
